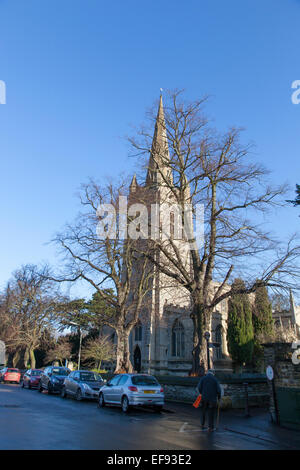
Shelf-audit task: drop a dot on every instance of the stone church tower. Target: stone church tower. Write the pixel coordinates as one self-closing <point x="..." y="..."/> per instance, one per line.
<point x="162" y="342"/>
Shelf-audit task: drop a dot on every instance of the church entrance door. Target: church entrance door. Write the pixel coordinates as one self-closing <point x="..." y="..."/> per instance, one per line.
<point x="137" y="359"/>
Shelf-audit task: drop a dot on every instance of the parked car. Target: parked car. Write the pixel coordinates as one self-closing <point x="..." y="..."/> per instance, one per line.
<point x="52" y="379"/>
<point x="128" y="390"/>
<point x="10" y="374"/>
<point x="31" y="378"/>
<point x="82" y="384"/>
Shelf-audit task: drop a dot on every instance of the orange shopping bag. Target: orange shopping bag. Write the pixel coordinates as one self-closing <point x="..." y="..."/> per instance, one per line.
<point x="197" y="401"/>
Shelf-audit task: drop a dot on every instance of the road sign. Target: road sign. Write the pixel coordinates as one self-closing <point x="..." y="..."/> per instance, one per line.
<point x="270" y="373"/>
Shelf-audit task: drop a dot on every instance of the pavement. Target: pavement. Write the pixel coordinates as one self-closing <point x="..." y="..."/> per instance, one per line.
<point x="33" y="421"/>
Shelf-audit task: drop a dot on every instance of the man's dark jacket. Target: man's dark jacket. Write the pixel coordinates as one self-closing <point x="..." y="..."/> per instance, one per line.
<point x="209" y="388"/>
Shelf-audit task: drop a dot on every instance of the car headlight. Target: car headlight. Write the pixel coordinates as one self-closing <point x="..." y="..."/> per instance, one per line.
<point x="54" y="380"/>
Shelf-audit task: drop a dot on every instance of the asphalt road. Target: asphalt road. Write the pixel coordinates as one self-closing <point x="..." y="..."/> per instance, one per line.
<point x="31" y="420"/>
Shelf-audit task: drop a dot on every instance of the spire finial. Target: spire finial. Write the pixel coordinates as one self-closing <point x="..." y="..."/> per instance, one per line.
<point x="133" y="184"/>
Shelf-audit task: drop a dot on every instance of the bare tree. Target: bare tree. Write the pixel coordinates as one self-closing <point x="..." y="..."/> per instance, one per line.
<point x="195" y="165"/>
<point x="10" y="325"/>
<point x="29" y="309"/>
<point x="99" y="350"/>
<point x="280" y="301"/>
<point x="60" y="351"/>
<point x="109" y="263"/>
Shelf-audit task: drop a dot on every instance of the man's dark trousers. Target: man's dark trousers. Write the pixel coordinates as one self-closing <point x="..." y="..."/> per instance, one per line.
<point x="209" y="406"/>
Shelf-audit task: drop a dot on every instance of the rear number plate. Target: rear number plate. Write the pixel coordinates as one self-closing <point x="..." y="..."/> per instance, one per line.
<point x="149" y="391"/>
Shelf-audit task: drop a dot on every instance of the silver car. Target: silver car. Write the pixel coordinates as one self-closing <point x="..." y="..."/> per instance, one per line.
<point x="82" y="384"/>
<point x="128" y="390"/>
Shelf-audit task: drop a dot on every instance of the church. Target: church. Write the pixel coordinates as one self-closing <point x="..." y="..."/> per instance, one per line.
<point x="162" y="341"/>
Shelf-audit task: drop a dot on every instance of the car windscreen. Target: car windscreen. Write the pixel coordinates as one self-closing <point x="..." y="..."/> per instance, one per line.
<point x="36" y="372"/>
<point x="13" y="370"/>
<point x="60" y="371"/>
<point x="89" y="377"/>
<point x="144" y="380"/>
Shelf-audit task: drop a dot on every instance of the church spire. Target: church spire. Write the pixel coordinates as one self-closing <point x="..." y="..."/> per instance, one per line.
<point x="133" y="185"/>
<point x="158" y="167"/>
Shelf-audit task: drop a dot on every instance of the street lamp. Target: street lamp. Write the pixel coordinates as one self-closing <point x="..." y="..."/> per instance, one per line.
<point x="207" y="336"/>
<point x="80" y="342"/>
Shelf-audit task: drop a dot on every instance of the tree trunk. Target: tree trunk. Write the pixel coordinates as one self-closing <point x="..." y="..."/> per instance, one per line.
<point x="26" y="358"/>
<point x="32" y="359"/>
<point x="123" y="354"/>
<point x="201" y="321"/>
<point x="15" y="358"/>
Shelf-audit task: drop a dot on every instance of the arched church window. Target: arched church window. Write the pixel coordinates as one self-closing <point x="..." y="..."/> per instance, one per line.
<point x="138" y="332"/>
<point x="218" y="336"/>
<point x="177" y="339"/>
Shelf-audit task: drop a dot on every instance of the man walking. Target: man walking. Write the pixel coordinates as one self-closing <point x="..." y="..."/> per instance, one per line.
<point x="210" y="390"/>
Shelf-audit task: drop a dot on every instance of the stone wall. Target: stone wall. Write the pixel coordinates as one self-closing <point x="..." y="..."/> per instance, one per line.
<point x="286" y="381"/>
<point x="183" y="389"/>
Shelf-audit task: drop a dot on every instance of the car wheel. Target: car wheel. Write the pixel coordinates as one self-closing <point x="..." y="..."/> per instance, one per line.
<point x="49" y="389"/>
<point x="101" y="401"/>
<point x="78" y="395"/>
<point x="125" y="404"/>
<point x="40" y="388"/>
<point x="29" y="386"/>
<point x="63" y="393"/>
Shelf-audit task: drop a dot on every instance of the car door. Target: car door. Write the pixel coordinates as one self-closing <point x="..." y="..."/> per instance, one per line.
<point x="109" y="390"/>
<point x="26" y="378"/>
<point x="45" y="377"/>
<point x="42" y="379"/>
<point x="119" y="389"/>
<point x="68" y="382"/>
<point x="74" y="383"/>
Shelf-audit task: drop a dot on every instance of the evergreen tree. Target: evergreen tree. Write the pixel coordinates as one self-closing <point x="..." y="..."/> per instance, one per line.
<point x="262" y="319"/>
<point x="296" y="201"/>
<point x="240" y="333"/>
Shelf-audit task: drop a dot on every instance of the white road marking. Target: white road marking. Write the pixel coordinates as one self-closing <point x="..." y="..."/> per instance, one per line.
<point x="182" y="429"/>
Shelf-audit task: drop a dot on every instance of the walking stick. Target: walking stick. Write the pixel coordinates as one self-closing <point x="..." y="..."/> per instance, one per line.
<point x="218" y="415"/>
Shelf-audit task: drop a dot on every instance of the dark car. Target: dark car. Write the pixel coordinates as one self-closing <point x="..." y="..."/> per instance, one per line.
<point x="82" y="384"/>
<point x="31" y="378"/>
<point x="53" y="378"/>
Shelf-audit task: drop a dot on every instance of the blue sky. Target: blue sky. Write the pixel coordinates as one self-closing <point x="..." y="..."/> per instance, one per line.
<point x="80" y="73"/>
